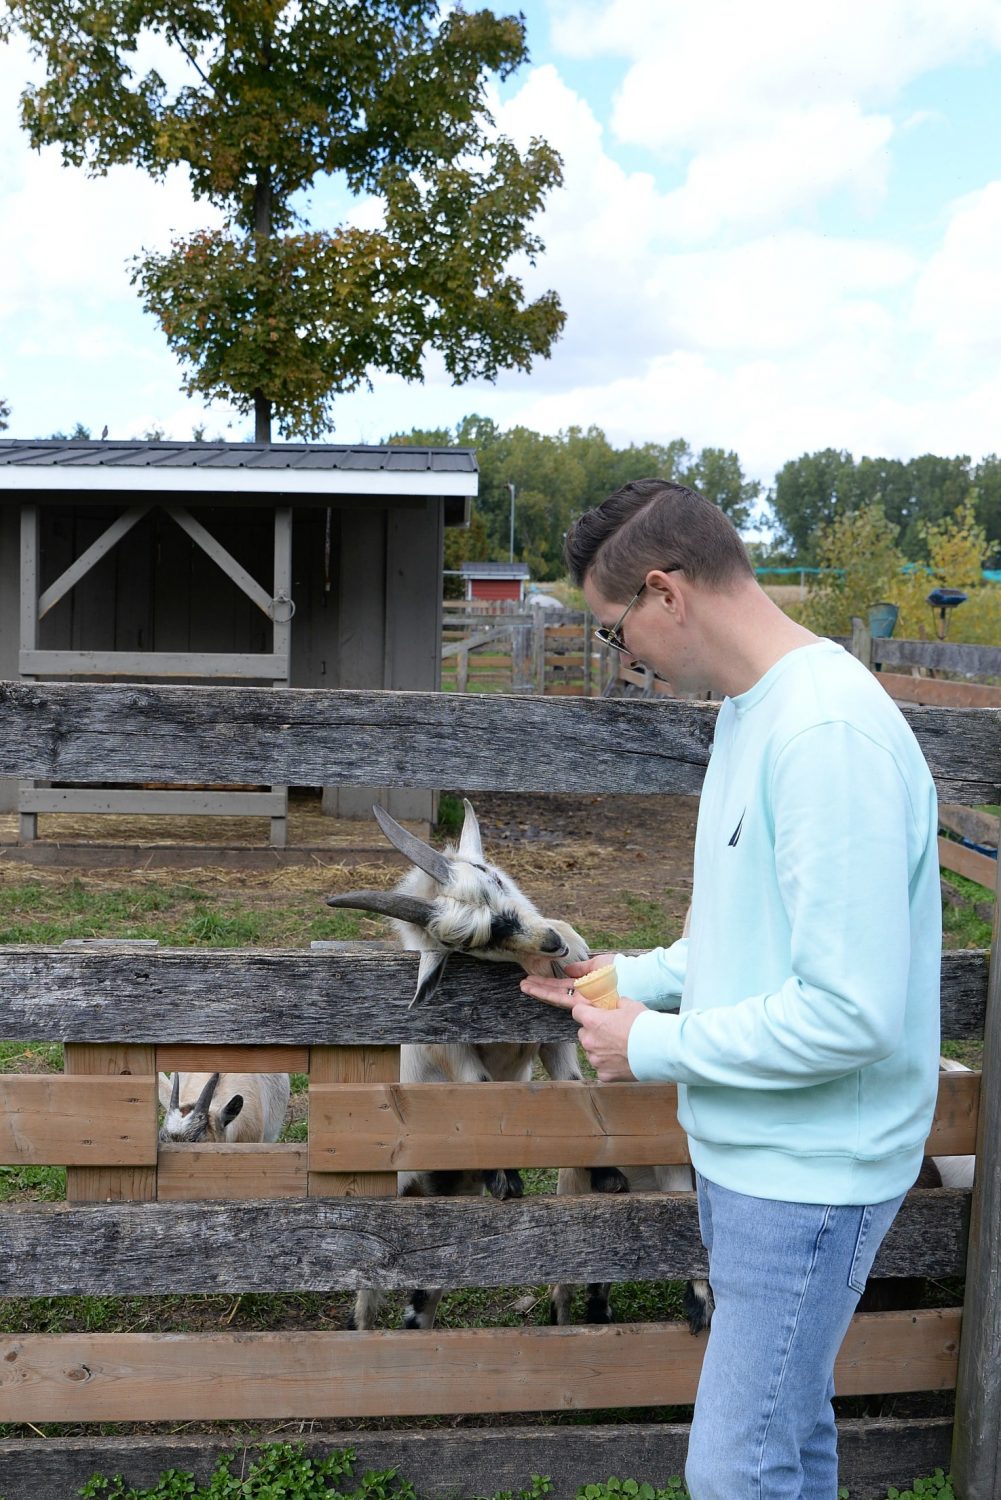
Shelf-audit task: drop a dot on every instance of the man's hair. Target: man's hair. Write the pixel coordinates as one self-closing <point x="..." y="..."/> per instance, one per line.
<point x="653" y="524"/>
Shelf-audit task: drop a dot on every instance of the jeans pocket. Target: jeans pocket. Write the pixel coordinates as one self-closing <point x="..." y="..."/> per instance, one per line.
<point x="861" y="1263"/>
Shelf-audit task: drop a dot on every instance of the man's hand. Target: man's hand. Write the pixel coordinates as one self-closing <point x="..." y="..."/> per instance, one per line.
<point x="604" y="1034"/>
<point x="560" y="991"/>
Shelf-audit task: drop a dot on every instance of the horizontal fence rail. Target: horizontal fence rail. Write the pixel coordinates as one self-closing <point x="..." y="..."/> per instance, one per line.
<point x="307" y="737"/>
<point x="389" y="1127"/>
<point x="277" y="997"/>
<point x="254" y="1376"/>
<point x="873" y="1454"/>
<point x="345" y="1244"/>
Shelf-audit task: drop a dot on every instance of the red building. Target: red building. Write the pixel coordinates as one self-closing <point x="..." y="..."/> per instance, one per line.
<point x="493" y="581"/>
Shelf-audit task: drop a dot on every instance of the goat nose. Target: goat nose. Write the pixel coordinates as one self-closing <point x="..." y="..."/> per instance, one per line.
<point x="553" y="943"/>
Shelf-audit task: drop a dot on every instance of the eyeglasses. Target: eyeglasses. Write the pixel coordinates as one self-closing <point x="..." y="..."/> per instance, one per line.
<point x="609" y="635"/>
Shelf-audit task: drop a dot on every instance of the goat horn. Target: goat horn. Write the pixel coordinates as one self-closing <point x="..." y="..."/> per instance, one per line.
<point x="175" y="1091"/>
<point x="387" y="904"/>
<point x="205" y="1097"/>
<point x="420" y="854"/>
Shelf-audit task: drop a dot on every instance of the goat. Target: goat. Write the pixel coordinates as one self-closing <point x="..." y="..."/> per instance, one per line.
<point x="253" y="1109"/>
<point x="455" y="901"/>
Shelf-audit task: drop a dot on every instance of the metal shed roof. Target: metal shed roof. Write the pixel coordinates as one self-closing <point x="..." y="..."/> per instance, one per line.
<point x="494" y="570"/>
<point x="259" y="468"/>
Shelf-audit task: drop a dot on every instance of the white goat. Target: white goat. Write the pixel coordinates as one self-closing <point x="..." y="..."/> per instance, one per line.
<point x="223" y="1106"/>
<point x="454" y="901"/>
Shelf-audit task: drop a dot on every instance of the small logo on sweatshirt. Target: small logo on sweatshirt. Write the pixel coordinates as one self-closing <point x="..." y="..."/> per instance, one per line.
<point x="735" y="835"/>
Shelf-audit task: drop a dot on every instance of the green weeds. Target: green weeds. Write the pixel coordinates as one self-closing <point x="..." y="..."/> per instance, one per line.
<point x="285" y="1471"/>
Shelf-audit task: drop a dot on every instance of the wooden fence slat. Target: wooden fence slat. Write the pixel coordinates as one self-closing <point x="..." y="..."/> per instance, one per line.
<point x="331" y="1244"/>
<point x="97" y="1377"/>
<point x="873" y="1453"/>
<point x="970" y="823"/>
<point x="933" y="690"/>
<point x="426" y="1126"/>
<point x="968" y="862"/>
<point x="191" y="1058"/>
<point x="954" y="1128"/>
<point x="349" y="1065"/>
<point x="309" y="737"/>
<point x="942" y="656"/>
<point x="113" y="1184"/>
<point x="197" y="1172"/>
<point x="80" y="1122"/>
<point x="274" y="998"/>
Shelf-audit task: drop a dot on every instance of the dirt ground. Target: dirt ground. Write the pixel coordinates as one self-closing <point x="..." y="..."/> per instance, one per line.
<point x="610" y="865"/>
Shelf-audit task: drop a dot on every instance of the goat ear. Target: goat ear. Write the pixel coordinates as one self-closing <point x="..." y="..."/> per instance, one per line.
<point x="230" y="1110"/>
<point x="411" y="847"/>
<point x="387" y="904"/>
<point x="429" y="972"/>
<point x="470" y="841"/>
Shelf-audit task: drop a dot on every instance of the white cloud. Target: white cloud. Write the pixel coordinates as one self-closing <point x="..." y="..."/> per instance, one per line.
<point x="770" y="107"/>
<point x="793" y="161"/>
<point x="957" y="299"/>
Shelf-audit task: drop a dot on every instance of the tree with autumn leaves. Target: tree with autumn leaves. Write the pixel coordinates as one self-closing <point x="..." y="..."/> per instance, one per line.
<point x="388" y="97"/>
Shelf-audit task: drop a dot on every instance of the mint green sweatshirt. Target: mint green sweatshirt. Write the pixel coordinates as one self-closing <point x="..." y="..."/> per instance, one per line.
<point x="806" y="1046"/>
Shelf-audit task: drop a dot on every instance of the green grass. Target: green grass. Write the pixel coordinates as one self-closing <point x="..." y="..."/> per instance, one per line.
<point x="962" y="925"/>
<point x="647" y="929"/>
<point x="178" y="915"/>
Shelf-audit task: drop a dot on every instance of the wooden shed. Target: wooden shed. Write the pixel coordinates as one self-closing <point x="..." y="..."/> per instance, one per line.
<point x="494" y="581"/>
<point x="287" y="564"/>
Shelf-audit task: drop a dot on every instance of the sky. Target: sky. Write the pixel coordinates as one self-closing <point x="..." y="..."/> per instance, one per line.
<point x="779" y="230"/>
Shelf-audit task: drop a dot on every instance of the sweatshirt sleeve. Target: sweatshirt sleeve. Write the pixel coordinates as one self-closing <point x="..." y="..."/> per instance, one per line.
<point x="655" y="978"/>
<point x="843" y="829"/>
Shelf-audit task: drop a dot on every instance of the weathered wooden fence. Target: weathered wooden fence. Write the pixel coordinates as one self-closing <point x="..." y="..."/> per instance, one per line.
<point x="524" y="651"/>
<point x="322" y="1216"/>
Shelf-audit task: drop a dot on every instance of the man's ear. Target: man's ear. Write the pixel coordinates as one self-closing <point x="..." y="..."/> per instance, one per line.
<point x="664" y="586"/>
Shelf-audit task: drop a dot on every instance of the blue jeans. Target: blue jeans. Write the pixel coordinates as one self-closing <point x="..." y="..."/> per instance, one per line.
<point x="786" y="1278"/>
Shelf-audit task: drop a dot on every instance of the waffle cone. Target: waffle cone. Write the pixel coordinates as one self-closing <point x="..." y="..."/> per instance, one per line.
<point x="599" y="988"/>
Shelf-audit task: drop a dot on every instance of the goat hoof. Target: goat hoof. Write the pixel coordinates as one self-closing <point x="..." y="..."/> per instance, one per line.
<point x="698" y="1308"/>
<point x="503" y="1184"/>
<point x="608" y="1180"/>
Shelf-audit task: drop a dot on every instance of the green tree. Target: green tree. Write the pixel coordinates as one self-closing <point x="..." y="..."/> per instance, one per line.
<point x="987" y="482"/>
<point x="717" y="474"/>
<point x="858" y="549"/>
<point x="809" y="492"/>
<point x="80" y="432"/>
<point x="387" y="96"/>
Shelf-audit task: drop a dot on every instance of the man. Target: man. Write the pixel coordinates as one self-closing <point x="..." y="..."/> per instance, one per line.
<point x="806" y="1045"/>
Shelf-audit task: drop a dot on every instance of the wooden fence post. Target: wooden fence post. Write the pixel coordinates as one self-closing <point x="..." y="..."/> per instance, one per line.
<point x="586" y="627"/>
<point x="539" y="650"/>
<point x="976" y="1453"/>
<point x="861" y="647"/>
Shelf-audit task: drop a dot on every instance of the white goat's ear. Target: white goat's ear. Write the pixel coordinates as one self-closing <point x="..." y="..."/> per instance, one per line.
<point x="163" y="1089"/>
<point x="429" y="972"/>
<point x="470" y="842"/>
<point x="411" y="847"/>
